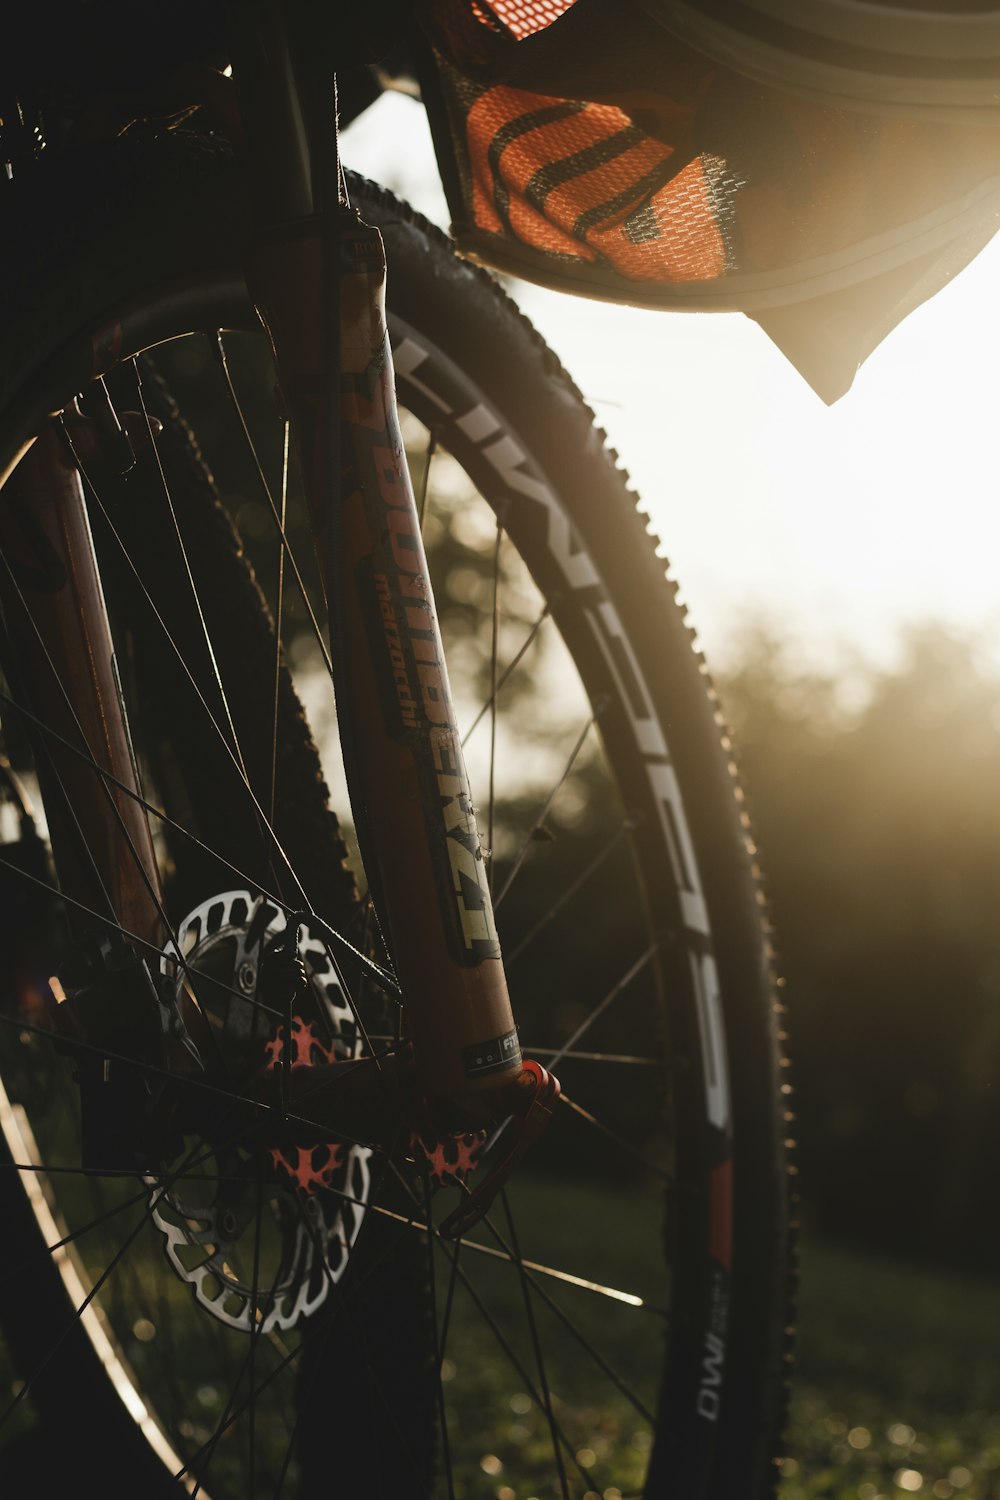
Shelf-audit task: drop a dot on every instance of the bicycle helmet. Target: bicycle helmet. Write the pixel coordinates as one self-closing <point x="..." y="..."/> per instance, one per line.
<point x="922" y="58"/>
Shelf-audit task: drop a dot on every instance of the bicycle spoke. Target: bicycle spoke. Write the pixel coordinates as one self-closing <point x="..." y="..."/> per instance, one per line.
<point x="153" y="1199"/>
<point x="508" y="1350"/>
<point x="272" y="837"/>
<point x="278" y="611"/>
<point x="190" y="972"/>
<point x="449" y="1302"/>
<point x="494" y="646"/>
<point x="168" y="1180"/>
<point x="619" y="1059"/>
<point x="628" y="1299"/>
<point x="14" y="1273"/>
<point x="613" y="1135"/>
<point x="192" y="1464"/>
<point x="602" y="1005"/>
<point x="331" y="936"/>
<point x="335" y="939"/>
<point x="134" y="937"/>
<point x="78" y="1312"/>
<point x="510" y="1253"/>
<point x="248" y="1365"/>
<point x="134" y="796"/>
<point x="533" y="1049"/>
<point x="152" y="1071"/>
<point x="116" y="812"/>
<point x="536" y="1347"/>
<point x="286" y="1462"/>
<point x="279" y="520"/>
<point x="571" y="892"/>
<point x="439" y="1339"/>
<point x="429" y="453"/>
<point x="289" y="1358"/>
<point x="507" y="673"/>
<point x="105" y="1174"/>
<point x="195" y="597"/>
<point x="113" y="806"/>
<point x="255" y="1328"/>
<point x="539" y="822"/>
<point x="222" y="1426"/>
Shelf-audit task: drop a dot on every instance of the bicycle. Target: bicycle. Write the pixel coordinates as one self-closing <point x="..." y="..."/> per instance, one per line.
<point x="221" y="1276"/>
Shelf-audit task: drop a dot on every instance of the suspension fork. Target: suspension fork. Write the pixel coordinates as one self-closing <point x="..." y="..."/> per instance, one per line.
<point x="317" y="277"/>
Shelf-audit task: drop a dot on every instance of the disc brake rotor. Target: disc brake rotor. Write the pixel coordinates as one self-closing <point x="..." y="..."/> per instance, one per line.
<point x="260" y="1231"/>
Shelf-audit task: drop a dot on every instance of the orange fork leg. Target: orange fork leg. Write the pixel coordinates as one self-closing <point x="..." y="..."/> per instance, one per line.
<point x="408" y="783"/>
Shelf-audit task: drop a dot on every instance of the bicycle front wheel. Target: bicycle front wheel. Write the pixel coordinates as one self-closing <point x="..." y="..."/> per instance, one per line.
<point x="617" y="1325"/>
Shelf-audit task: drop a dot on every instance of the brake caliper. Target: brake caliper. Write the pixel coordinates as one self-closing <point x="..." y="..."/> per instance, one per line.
<point x="527" y="1106"/>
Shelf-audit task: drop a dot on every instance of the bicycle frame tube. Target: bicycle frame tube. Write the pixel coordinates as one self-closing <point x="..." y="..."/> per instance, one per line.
<point x="317" y="278"/>
<point x="55" y="617"/>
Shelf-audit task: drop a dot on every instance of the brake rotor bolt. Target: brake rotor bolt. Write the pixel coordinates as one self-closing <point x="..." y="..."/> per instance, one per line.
<point x="247" y="977"/>
<point x="227" y="1223"/>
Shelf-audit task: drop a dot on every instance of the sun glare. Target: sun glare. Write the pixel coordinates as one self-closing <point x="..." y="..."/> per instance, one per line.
<point x="840" y="524"/>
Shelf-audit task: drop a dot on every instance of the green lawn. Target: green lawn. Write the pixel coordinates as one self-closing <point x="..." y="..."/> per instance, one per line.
<point x="897" y="1391"/>
<point x="898" y="1384"/>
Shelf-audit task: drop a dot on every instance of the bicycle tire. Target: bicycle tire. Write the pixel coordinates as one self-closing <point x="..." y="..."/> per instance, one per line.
<point x="152" y="255"/>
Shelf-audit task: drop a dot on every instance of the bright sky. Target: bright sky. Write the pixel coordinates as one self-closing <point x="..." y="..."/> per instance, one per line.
<point x="841" y="524"/>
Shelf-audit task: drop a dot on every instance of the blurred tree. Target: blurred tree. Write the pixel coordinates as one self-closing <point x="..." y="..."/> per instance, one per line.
<point x="881" y="835"/>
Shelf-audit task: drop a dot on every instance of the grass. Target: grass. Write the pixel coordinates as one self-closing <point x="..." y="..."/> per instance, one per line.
<point x="496" y="1428"/>
<point x="897" y="1391"/>
<point x="898" y="1385"/>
